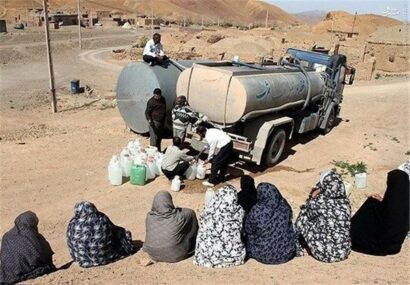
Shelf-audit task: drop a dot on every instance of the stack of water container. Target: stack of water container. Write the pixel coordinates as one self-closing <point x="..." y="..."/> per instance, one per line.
<point x="195" y="171"/>
<point x="136" y="163"/>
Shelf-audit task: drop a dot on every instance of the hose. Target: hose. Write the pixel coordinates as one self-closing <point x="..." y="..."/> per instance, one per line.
<point x="177" y="65"/>
<point x="302" y="69"/>
<point x="248" y="65"/>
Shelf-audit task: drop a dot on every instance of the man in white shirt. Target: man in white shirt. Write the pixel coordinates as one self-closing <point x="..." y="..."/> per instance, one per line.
<point x="216" y="139"/>
<point x="153" y="51"/>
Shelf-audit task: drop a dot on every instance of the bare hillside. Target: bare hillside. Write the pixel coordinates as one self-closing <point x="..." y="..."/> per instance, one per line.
<point x="364" y="24"/>
<point x="312" y="17"/>
<point x="232" y="11"/>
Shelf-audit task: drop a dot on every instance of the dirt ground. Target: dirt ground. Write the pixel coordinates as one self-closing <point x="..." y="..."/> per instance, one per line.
<point x="51" y="161"/>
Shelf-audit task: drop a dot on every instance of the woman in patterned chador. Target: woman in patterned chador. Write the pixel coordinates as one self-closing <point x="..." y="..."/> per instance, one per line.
<point x="218" y="243"/>
<point x="269" y="233"/>
<point x="93" y="239"/>
<point x="323" y="224"/>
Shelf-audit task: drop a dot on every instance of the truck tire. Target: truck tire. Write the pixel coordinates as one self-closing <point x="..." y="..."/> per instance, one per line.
<point x="330" y="122"/>
<point x="275" y="147"/>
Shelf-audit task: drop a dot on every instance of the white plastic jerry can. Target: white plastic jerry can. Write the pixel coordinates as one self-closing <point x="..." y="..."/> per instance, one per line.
<point x="360" y="180"/>
<point x="126" y="165"/>
<point x="137" y="142"/>
<point x="151" y="150"/>
<point x="209" y="195"/>
<point x="176" y="184"/>
<point x="200" y="171"/>
<point x="115" y="171"/>
<point x="190" y="173"/>
<point x="124" y="153"/>
<point x="158" y="161"/>
<point x="151" y="168"/>
<point x="130" y="145"/>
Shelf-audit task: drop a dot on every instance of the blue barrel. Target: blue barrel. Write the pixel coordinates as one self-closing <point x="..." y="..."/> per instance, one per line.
<point x="75" y="86"/>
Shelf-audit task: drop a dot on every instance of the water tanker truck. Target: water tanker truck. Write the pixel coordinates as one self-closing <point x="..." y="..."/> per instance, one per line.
<point x="260" y="106"/>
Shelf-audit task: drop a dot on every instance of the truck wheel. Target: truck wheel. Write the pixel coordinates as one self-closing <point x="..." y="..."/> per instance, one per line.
<point x="330" y="122"/>
<point x="275" y="147"/>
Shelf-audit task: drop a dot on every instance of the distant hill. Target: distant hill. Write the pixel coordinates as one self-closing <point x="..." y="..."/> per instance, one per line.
<point x="311" y="17"/>
<point x="365" y="24"/>
<point x="394" y="34"/>
<point x="232" y="11"/>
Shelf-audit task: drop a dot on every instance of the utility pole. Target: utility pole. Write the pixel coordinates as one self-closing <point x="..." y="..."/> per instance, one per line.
<point x="79" y="24"/>
<point x="218" y="21"/>
<point x="354" y="21"/>
<point x="50" y="60"/>
<point x="152" y="20"/>
<point x="90" y="19"/>
<point x="267" y="17"/>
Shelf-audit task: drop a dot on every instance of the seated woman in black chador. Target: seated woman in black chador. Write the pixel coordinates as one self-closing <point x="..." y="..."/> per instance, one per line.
<point x="25" y="253"/>
<point x="380" y="226"/>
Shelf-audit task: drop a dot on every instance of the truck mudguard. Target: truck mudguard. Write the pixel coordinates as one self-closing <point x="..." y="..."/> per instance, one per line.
<point x="326" y="116"/>
<point x="263" y="135"/>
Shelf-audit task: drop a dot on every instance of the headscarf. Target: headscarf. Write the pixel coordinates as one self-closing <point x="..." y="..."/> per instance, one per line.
<point x="379" y="228"/>
<point x="25" y="253"/>
<point x="268" y="227"/>
<point x="405" y="167"/>
<point x="247" y="196"/>
<point x="93" y="239"/>
<point x="219" y="241"/>
<point x="324" y="221"/>
<point x="170" y="232"/>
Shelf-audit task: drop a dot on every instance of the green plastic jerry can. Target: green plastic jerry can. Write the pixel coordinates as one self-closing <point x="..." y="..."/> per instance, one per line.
<point x="138" y="173"/>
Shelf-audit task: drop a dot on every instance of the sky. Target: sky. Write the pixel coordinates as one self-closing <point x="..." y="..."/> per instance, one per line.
<point x="399" y="9"/>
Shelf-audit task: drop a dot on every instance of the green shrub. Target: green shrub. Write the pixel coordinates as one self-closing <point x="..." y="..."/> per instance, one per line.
<point x="142" y="41"/>
<point x="226" y="25"/>
<point x="348" y="168"/>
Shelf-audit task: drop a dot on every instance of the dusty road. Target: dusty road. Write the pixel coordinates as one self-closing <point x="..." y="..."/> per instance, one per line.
<point x="50" y="162"/>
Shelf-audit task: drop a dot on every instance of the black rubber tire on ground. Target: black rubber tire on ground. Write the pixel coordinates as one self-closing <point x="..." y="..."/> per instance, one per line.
<point x="330" y="122"/>
<point x="274" y="148"/>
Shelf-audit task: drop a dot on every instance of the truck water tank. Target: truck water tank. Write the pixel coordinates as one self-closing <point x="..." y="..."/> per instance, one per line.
<point x="227" y="93"/>
<point x="135" y="85"/>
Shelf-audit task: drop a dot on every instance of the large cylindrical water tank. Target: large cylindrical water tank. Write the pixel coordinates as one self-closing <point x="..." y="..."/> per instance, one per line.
<point x="135" y="87"/>
<point x="226" y="94"/>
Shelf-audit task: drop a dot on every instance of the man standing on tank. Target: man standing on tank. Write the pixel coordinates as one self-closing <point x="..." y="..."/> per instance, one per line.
<point x="155" y="114"/>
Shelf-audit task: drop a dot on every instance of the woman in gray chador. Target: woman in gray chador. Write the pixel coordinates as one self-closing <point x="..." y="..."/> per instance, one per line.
<point x="170" y="232"/>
